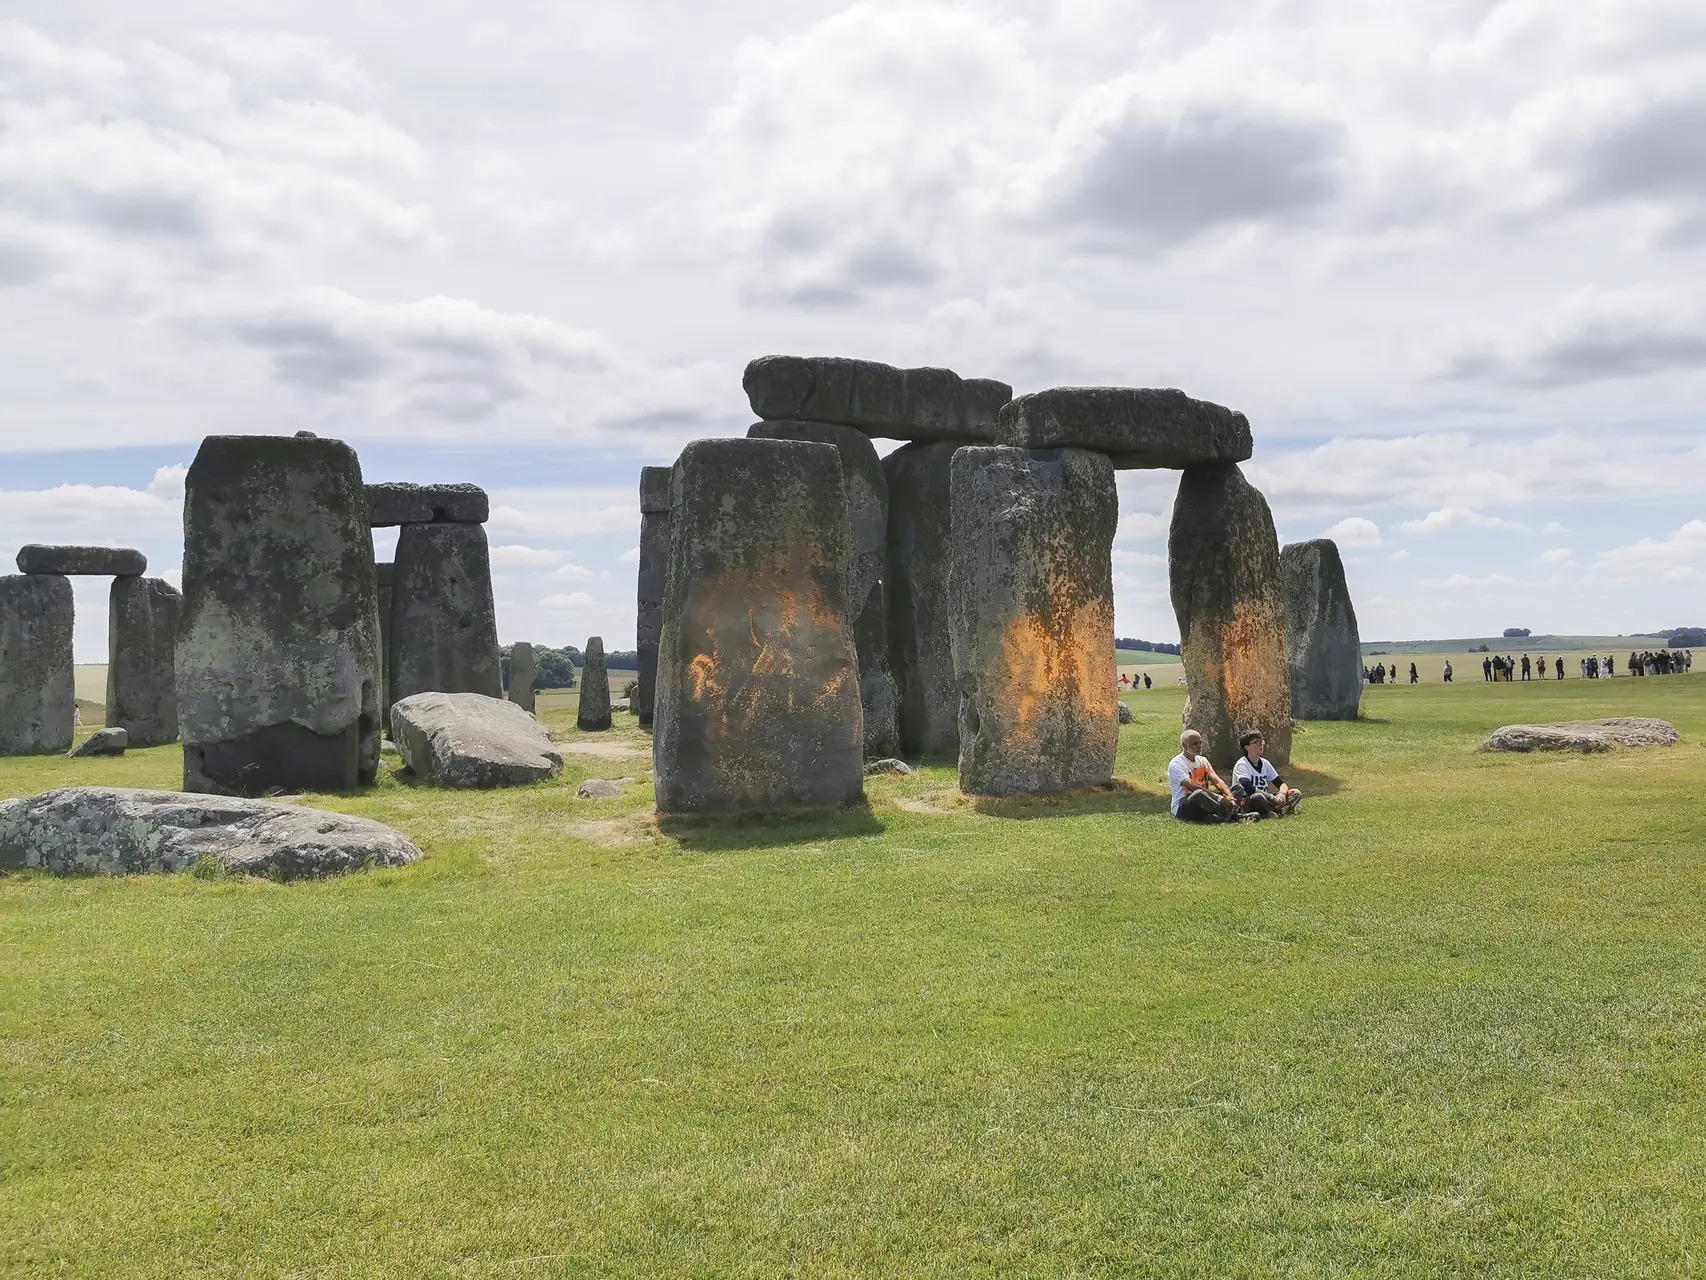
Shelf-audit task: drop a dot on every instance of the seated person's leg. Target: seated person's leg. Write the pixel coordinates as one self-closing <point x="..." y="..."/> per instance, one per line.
<point x="1204" y="806"/>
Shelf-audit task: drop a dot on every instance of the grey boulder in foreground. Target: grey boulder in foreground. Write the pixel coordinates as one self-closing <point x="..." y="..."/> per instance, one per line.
<point x="1135" y="426"/>
<point x="470" y="740"/>
<point x="99" y="562"/>
<point x="103" y="742"/>
<point x="1584" y="735"/>
<point x="123" y="830"/>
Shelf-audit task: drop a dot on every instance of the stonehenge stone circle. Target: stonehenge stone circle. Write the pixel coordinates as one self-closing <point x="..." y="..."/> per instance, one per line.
<point x="523" y="671"/>
<point x="102" y="742"/>
<point x="394" y="504"/>
<point x="443" y="627"/>
<point x="278" y="645"/>
<point x="654" y="569"/>
<point x="1135" y="426"/>
<point x="879" y="399"/>
<point x="919" y="551"/>
<point x="142" y="638"/>
<point x="469" y="740"/>
<point x="1223" y="570"/>
<point x="1321" y="641"/>
<point x="121" y="830"/>
<point x="868" y="515"/>
<point x="593" y="715"/>
<point x="758" y="678"/>
<point x="37" y="690"/>
<point x="1031" y="589"/>
<point x="94" y="562"/>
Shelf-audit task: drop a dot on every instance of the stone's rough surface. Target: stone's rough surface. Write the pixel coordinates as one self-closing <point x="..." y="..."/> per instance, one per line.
<point x="1135" y="426"/>
<point x="879" y="399"/>
<point x="444" y="629"/>
<point x="390" y="504"/>
<point x="99" y="562"/>
<point x="1321" y="641"/>
<point x="1584" y="735"/>
<point x="386" y="572"/>
<point x="102" y="742"/>
<point x="1223" y="567"/>
<point x="899" y="768"/>
<point x="1031" y="589"/>
<point x="278" y="647"/>
<point x="120" y="830"/>
<point x="142" y="642"/>
<point x="920" y="652"/>
<point x="868" y="517"/>
<point x="598" y="789"/>
<point x="37" y="689"/>
<point x="523" y="671"/>
<point x="593" y="715"/>
<point x="758" y="678"/>
<point x="654" y="570"/>
<point x="1126" y="716"/>
<point x="470" y="740"/>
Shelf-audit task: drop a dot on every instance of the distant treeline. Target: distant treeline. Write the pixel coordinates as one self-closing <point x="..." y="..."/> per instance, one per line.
<point x="1685" y="637"/>
<point x="1154" y="646"/>
<point x="556" y="667"/>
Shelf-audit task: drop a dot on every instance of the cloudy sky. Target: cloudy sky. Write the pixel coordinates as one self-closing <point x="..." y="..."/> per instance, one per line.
<point x="1447" y="255"/>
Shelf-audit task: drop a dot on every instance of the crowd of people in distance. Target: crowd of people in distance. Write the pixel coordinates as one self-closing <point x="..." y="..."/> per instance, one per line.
<point x="1380" y="675"/>
<point x="1666" y="662"/>
<point x="1498" y="669"/>
<point x="1143" y="682"/>
<point x="1201" y="795"/>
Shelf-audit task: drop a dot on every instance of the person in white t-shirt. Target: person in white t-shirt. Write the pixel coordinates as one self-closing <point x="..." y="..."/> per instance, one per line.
<point x="1199" y="795"/>
<point x="1256" y="783"/>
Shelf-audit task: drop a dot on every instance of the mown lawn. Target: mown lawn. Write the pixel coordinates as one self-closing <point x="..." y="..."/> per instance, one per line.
<point x="1449" y="1021"/>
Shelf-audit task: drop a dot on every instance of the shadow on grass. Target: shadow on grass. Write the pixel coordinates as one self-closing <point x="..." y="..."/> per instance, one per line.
<point x="1118" y="796"/>
<point x="1312" y="783"/>
<point x="715" y="833"/>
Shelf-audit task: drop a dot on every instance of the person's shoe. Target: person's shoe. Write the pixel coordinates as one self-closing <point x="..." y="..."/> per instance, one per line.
<point x="1249" y="815"/>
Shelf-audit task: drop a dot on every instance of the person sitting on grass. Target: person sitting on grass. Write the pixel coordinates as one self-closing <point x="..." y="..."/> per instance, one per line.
<point x="1199" y="795"/>
<point x="1258" y="788"/>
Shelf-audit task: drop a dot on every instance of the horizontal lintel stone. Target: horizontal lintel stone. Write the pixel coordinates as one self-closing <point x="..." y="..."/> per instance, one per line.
<point x="394" y="503"/>
<point x="103" y="562"/>
<point x="1137" y="427"/>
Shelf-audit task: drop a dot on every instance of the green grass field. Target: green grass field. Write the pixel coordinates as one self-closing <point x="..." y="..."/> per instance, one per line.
<point x="1448" y="1021"/>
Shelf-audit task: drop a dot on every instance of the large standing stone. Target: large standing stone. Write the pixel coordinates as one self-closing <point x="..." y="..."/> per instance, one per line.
<point x="37" y="690"/>
<point x="391" y="504"/>
<point x="386" y="573"/>
<point x="868" y="518"/>
<point x="278" y="647"/>
<point x="654" y="570"/>
<point x="758" y="677"/>
<point x="1321" y="640"/>
<point x="1135" y="426"/>
<point x="920" y="650"/>
<point x="468" y="740"/>
<point x="121" y="830"/>
<point x="1032" y="624"/>
<point x="96" y="562"/>
<point x="444" y="628"/>
<point x="594" y="713"/>
<point x="142" y="641"/>
<point x="523" y="671"/>
<point x="1223" y="566"/>
<point x="879" y="399"/>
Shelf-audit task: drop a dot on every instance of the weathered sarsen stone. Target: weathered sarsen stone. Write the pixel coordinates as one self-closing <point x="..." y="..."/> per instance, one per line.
<point x="278" y="646"/>
<point x="470" y="740"/>
<point x="920" y="651"/>
<point x="386" y="573"/>
<point x="120" y="830"/>
<point x="868" y="517"/>
<point x="1587" y="736"/>
<point x="593" y="713"/>
<point x="523" y="671"/>
<point x="654" y="569"/>
<point x="879" y="399"/>
<point x="758" y="678"/>
<point x="444" y="628"/>
<point x="1223" y="567"/>
<point x="142" y="639"/>
<point x="1321" y="640"/>
<point x="102" y="742"/>
<point x="1031" y="588"/>
<point x="393" y="504"/>
<point x="1135" y="426"/>
<point x="37" y="689"/>
<point x="94" y="562"/>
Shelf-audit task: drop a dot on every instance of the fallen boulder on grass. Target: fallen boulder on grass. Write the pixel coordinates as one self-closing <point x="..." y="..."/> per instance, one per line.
<point x="102" y="742"/>
<point x="124" y="830"/>
<point x="1584" y="735"/>
<point x="470" y="740"/>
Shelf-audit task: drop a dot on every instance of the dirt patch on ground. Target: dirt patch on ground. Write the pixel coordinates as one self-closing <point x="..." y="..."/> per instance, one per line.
<point x="633" y="828"/>
<point x="608" y="750"/>
<point x="936" y="802"/>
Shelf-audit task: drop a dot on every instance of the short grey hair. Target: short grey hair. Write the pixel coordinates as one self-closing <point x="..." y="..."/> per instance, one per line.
<point x="1188" y="736"/>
